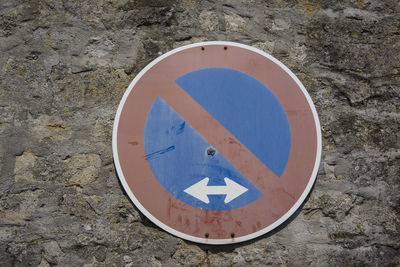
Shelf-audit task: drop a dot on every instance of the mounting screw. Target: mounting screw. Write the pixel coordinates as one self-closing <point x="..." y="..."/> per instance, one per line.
<point x="206" y="235"/>
<point x="232" y="235"/>
<point x="225" y="48"/>
<point x="202" y="48"/>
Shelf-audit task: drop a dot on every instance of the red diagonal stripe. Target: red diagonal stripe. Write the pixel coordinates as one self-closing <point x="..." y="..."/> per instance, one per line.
<point x="219" y="137"/>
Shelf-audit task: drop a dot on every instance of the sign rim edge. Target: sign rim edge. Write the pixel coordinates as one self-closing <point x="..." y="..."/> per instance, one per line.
<point x="211" y="241"/>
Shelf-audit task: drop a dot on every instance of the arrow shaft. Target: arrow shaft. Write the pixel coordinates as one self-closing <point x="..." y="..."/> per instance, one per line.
<point x="216" y="190"/>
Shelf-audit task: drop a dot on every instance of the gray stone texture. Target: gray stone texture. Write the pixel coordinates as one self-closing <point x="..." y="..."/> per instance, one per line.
<point x="64" y="66"/>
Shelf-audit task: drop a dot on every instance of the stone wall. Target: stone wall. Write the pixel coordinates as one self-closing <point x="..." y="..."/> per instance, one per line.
<point x="64" y="66"/>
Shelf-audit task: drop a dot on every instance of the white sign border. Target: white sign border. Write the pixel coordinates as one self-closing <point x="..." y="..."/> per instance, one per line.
<point x="210" y="240"/>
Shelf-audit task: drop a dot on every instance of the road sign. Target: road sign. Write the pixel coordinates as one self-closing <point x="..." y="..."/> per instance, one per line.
<point x="217" y="142"/>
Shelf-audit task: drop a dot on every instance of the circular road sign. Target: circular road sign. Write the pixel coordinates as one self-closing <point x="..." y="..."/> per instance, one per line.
<point x="217" y="142"/>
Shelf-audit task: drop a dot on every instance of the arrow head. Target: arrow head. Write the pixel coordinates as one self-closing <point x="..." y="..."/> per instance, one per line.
<point x="199" y="190"/>
<point x="233" y="190"/>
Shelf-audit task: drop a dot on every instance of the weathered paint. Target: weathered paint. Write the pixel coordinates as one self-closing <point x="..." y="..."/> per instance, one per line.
<point x="281" y="196"/>
<point x="180" y="160"/>
<point x="246" y="108"/>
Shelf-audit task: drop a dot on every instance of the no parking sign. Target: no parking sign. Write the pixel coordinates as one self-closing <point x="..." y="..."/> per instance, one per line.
<point x="217" y="142"/>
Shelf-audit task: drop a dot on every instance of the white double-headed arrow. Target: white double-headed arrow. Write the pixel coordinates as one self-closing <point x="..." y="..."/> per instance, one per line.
<point x="200" y="190"/>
